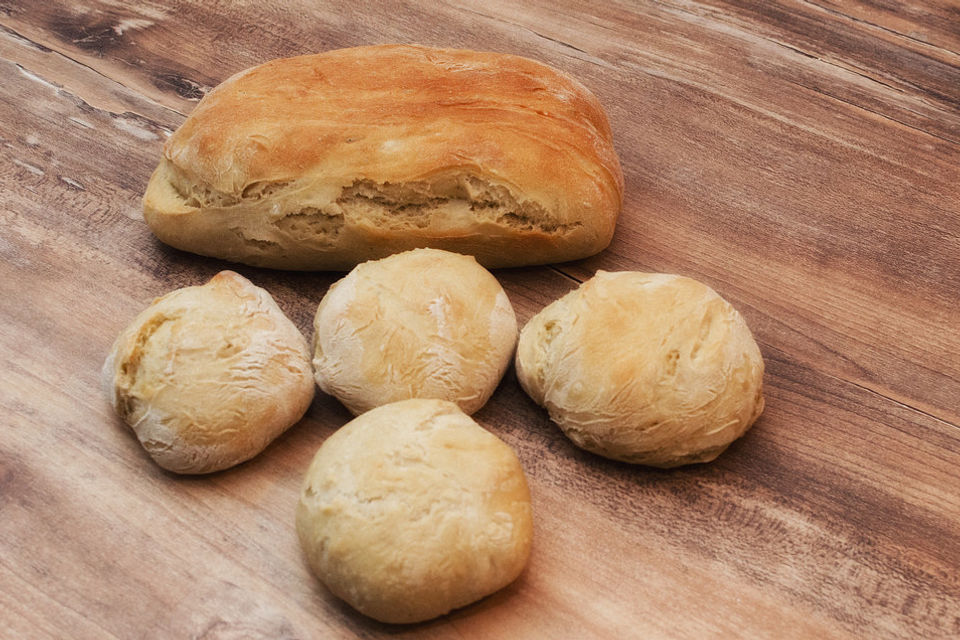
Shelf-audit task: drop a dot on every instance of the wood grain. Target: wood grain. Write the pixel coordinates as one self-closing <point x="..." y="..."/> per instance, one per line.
<point x="802" y="157"/>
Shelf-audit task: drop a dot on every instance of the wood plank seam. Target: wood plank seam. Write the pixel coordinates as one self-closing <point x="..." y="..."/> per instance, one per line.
<point x="745" y="35"/>
<point x="767" y="347"/>
<point x="905" y="36"/>
<point x="853" y="104"/>
<point x="876" y="113"/>
<point x="35" y="76"/>
<point x="25" y="41"/>
<point x="559" y="269"/>
<point x="590" y="59"/>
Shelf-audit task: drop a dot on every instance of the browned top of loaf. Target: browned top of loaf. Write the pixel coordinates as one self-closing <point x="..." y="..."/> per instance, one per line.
<point x="398" y="113"/>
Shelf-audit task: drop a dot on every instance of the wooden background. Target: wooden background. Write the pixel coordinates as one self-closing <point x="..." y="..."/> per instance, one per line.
<point x="800" y="156"/>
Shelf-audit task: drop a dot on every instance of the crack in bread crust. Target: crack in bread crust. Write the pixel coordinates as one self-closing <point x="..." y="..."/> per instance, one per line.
<point x="394" y="206"/>
<point x="128" y="403"/>
<point x="355" y="154"/>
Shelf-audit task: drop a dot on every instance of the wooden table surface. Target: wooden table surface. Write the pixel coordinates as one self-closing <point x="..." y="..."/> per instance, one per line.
<point x="800" y="156"/>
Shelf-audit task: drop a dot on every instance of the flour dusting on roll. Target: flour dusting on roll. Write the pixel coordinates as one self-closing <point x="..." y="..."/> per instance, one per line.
<point x="420" y="324"/>
<point x="208" y="376"/>
<point x="412" y="510"/>
<point x="649" y="368"/>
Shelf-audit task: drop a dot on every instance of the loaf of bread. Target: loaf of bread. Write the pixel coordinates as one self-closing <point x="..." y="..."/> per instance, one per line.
<point x="208" y="376"/>
<point x="324" y="161"/>
<point x="420" y="324"/>
<point x="412" y="510"/>
<point x="648" y="368"/>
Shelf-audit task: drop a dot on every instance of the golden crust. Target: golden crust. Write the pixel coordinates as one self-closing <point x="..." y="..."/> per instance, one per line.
<point x="323" y="161"/>
<point x="412" y="510"/>
<point x="208" y="376"/>
<point x="648" y="368"/>
<point x="420" y="324"/>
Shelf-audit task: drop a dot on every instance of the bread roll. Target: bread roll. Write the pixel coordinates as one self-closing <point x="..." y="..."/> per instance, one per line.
<point x="412" y="510"/>
<point x="208" y="376"/>
<point x="648" y="368"/>
<point x="324" y="161"/>
<point x="421" y="324"/>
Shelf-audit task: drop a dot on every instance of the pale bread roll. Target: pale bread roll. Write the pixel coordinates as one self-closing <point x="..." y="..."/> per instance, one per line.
<point x="208" y="376"/>
<point x="412" y="510"/>
<point x="421" y="324"/>
<point x="648" y="368"/>
<point x="325" y="161"/>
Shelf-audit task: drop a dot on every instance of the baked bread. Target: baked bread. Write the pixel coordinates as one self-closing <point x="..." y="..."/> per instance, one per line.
<point x="421" y="324"/>
<point x="412" y="510"/>
<point x="324" y="161"/>
<point x="648" y="368"/>
<point x="208" y="376"/>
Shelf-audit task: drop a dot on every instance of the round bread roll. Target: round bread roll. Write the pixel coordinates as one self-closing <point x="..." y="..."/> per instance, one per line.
<point x="412" y="510"/>
<point x="648" y="368"/>
<point x="208" y="376"/>
<point x="421" y="324"/>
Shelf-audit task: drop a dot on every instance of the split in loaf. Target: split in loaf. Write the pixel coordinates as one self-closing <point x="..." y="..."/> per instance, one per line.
<point x="324" y="161"/>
